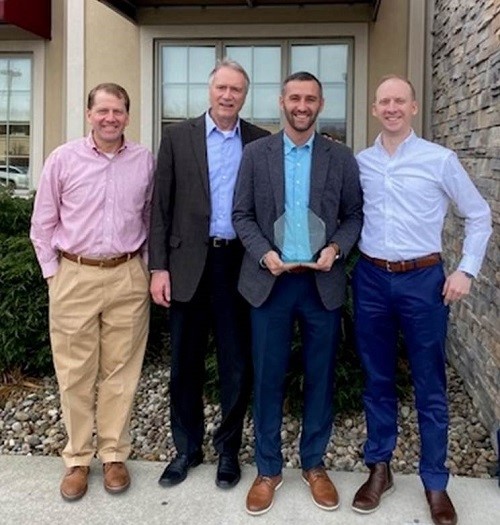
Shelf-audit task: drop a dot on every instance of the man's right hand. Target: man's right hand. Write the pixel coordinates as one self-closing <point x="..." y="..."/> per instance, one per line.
<point x="160" y="288"/>
<point x="275" y="265"/>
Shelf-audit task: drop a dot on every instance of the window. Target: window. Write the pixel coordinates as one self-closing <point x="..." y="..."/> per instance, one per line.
<point x="183" y="71"/>
<point x="15" y="120"/>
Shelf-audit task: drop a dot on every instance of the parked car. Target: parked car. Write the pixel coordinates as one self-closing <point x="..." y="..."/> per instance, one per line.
<point x="14" y="177"/>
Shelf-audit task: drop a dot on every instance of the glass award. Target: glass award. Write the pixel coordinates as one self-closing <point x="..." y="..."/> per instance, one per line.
<point x="299" y="236"/>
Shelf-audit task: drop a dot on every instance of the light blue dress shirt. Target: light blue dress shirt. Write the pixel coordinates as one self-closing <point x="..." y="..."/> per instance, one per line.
<point x="297" y="184"/>
<point x="406" y="197"/>
<point x="224" y="150"/>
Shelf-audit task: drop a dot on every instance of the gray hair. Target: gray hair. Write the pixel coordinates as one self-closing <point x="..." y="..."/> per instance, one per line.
<point x="231" y="64"/>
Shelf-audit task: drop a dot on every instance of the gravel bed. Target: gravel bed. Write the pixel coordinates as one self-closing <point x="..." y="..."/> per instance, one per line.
<point x="30" y="424"/>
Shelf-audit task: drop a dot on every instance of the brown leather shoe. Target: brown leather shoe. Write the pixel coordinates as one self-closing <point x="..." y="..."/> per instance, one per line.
<point x="260" y="497"/>
<point x="378" y="485"/>
<point x="74" y="484"/>
<point x="442" y="509"/>
<point x="323" y="491"/>
<point x="116" y="477"/>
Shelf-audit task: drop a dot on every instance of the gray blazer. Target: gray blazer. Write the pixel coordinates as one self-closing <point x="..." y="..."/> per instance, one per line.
<point x="180" y="215"/>
<point x="335" y="196"/>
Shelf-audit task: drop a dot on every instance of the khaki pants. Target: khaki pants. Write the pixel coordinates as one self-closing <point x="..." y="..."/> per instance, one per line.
<point x="98" y="329"/>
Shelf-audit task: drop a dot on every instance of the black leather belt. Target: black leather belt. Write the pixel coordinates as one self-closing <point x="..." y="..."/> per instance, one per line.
<point x="219" y="242"/>
<point x="405" y="266"/>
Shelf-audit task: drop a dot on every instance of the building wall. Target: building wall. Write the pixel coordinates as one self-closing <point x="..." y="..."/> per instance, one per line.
<point x="466" y="118"/>
<point x="112" y="55"/>
<point x="55" y="99"/>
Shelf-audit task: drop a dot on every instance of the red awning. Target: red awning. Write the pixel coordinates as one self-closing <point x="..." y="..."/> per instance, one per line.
<point x="33" y="16"/>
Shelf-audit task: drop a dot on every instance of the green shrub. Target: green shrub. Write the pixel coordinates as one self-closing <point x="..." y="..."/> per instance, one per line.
<point x="24" y="340"/>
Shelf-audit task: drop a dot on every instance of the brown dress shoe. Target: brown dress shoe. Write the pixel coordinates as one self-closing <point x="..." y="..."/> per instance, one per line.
<point x="378" y="485"/>
<point x="116" y="477"/>
<point x="323" y="491"/>
<point x="442" y="509"/>
<point x="260" y="497"/>
<point x="74" y="483"/>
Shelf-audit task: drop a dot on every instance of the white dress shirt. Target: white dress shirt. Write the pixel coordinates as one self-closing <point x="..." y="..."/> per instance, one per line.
<point x="406" y="198"/>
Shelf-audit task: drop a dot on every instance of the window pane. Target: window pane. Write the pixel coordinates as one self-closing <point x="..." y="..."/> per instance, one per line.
<point x="175" y="101"/>
<point x="174" y="61"/>
<point x="15" y="120"/>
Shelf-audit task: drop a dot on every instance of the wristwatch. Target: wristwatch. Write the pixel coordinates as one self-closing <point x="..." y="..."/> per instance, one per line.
<point x="336" y="247"/>
<point x="467" y="274"/>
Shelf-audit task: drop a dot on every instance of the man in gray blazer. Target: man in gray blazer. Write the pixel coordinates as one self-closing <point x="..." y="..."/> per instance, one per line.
<point x="288" y="176"/>
<point x="195" y="258"/>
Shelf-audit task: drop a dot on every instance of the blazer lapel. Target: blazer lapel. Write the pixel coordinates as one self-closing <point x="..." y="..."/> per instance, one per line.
<point x="319" y="169"/>
<point x="277" y="172"/>
<point x="199" y="149"/>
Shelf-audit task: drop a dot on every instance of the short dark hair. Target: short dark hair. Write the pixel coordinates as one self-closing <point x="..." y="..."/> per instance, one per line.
<point x="231" y="64"/>
<point x="397" y="77"/>
<point x="302" y="76"/>
<point x="112" y="89"/>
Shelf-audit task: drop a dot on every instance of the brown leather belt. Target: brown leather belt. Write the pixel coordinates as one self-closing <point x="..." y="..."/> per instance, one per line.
<point x="102" y="263"/>
<point x="405" y="266"/>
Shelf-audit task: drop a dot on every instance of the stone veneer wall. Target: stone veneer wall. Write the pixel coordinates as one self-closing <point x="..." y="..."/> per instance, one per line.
<point x="466" y="118"/>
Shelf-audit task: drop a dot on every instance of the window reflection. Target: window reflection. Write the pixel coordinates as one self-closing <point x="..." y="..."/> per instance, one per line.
<point x="15" y="121"/>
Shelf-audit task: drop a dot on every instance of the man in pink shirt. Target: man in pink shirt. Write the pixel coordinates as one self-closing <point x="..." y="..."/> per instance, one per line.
<point x="89" y="228"/>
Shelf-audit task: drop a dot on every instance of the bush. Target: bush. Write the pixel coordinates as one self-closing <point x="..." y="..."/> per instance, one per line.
<point x="24" y="339"/>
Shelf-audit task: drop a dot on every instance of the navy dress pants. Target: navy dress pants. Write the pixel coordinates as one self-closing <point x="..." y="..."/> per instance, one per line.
<point x="385" y="303"/>
<point x="294" y="297"/>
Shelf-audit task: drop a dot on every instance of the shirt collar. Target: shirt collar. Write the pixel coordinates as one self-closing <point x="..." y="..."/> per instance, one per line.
<point x="289" y="145"/>
<point x="211" y="126"/>
<point x="410" y="138"/>
<point x="91" y="144"/>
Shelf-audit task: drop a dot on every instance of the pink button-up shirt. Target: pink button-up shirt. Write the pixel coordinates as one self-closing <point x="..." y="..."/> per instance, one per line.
<point x="92" y="205"/>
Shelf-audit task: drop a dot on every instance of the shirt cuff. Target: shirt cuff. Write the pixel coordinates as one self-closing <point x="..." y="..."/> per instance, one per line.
<point x="49" y="269"/>
<point x="470" y="264"/>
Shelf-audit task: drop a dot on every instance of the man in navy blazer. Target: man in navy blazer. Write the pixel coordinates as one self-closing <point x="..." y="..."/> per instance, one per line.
<point x="290" y="175"/>
<point x="195" y="258"/>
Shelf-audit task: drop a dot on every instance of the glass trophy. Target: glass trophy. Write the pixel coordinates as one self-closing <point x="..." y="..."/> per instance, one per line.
<point x="299" y="237"/>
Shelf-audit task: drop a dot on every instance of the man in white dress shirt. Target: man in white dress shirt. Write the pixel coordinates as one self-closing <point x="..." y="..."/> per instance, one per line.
<point x="400" y="284"/>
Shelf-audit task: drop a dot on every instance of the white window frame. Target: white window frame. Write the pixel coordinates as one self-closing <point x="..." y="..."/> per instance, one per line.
<point x="183" y="33"/>
<point x="35" y="48"/>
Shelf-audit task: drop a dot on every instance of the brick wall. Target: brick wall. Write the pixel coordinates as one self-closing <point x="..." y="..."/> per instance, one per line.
<point x="466" y="118"/>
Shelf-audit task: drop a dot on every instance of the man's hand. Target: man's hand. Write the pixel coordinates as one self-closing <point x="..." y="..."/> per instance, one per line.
<point x="456" y="286"/>
<point x="274" y="264"/>
<point x="160" y="288"/>
<point x="325" y="261"/>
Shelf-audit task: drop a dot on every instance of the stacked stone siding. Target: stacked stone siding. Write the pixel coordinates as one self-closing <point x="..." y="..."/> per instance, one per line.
<point x="466" y="118"/>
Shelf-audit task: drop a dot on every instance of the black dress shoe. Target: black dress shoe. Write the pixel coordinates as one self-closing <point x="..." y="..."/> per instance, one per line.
<point x="176" y="471"/>
<point x="228" y="472"/>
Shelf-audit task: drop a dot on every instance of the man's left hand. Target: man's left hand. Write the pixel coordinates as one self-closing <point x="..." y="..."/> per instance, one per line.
<point x="325" y="260"/>
<point x="456" y="286"/>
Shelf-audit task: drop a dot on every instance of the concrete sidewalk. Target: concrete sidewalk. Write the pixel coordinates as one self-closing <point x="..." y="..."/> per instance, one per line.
<point x="29" y="494"/>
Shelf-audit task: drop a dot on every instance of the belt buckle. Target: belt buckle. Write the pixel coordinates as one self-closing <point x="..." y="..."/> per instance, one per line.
<point x="218" y="242"/>
<point x="388" y="266"/>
